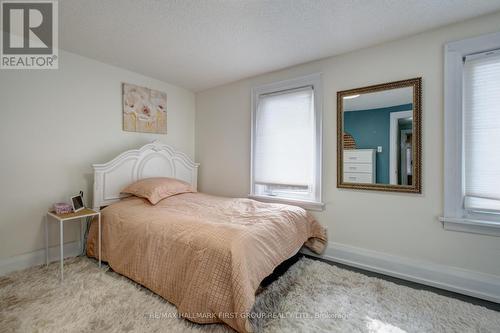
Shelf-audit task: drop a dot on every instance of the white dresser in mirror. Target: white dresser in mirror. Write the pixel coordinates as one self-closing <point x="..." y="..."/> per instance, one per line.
<point x="360" y="166"/>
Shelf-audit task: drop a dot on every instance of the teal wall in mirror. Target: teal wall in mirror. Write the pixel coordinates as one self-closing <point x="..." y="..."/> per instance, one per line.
<point x="370" y="129"/>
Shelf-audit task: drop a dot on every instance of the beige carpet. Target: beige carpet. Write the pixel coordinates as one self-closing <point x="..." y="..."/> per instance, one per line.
<point x="310" y="297"/>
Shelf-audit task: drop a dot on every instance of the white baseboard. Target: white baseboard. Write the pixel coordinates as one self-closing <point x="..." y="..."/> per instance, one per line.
<point x="480" y="285"/>
<point x="35" y="258"/>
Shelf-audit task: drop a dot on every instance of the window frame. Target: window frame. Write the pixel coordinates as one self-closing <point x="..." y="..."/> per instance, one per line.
<point x="456" y="217"/>
<point x="313" y="80"/>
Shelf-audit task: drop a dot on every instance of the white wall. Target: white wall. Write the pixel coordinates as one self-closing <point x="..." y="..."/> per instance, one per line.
<point x="54" y="124"/>
<point x="404" y="225"/>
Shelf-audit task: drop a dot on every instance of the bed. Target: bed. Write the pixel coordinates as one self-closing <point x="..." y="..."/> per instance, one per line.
<point x="205" y="254"/>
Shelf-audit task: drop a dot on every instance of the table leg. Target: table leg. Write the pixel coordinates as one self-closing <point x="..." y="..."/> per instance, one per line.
<point x="61" y="234"/>
<point x="46" y="240"/>
<point x="99" y="236"/>
<point x="82" y="234"/>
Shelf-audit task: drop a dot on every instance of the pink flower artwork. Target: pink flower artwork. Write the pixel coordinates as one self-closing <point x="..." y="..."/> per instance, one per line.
<point x="144" y="110"/>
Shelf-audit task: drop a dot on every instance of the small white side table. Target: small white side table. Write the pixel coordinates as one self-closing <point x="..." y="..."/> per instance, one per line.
<point x="80" y="215"/>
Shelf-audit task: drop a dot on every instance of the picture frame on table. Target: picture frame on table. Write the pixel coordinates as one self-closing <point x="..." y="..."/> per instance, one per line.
<point x="77" y="202"/>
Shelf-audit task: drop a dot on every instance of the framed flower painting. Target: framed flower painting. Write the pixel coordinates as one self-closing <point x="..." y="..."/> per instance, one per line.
<point x="144" y="110"/>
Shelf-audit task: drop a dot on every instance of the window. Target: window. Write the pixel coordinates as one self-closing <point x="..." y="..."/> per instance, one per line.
<point x="286" y="142"/>
<point x="482" y="132"/>
<point x="472" y="135"/>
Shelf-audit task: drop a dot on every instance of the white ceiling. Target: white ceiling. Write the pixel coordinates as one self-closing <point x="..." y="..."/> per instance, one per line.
<point x="381" y="99"/>
<point x="200" y="44"/>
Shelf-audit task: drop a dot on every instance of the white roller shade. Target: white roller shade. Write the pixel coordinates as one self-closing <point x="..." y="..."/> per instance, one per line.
<point x="481" y="122"/>
<point x="284" y="138"/>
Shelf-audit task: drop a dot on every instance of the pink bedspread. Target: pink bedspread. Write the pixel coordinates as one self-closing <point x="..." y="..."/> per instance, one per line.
<point x="205" y="254"/>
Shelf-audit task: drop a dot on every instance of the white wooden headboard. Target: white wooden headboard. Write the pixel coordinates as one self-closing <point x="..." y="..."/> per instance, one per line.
<point x="152" y="160"/>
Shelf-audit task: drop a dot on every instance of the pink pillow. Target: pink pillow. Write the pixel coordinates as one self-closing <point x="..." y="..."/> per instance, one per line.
<point x="156" y="189"/>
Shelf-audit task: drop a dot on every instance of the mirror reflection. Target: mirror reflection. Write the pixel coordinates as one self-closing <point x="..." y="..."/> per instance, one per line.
<point x="378" y="137"/>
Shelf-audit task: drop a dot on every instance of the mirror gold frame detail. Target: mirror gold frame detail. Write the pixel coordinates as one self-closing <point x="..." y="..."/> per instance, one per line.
<point x="416" y="186"/>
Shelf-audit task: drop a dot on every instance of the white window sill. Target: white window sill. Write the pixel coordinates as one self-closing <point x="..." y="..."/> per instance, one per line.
<point x="308" y="205"/>
<point x="476" y="226"/>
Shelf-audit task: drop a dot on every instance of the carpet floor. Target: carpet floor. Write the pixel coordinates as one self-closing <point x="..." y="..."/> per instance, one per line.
<point x="311" y="296"/>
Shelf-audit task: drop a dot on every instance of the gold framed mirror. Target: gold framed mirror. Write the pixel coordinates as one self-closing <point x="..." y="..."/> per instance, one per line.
<point x="379" y="137"/>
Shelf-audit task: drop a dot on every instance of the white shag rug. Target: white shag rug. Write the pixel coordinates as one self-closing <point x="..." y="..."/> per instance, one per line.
<point x="311" y="296"/>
